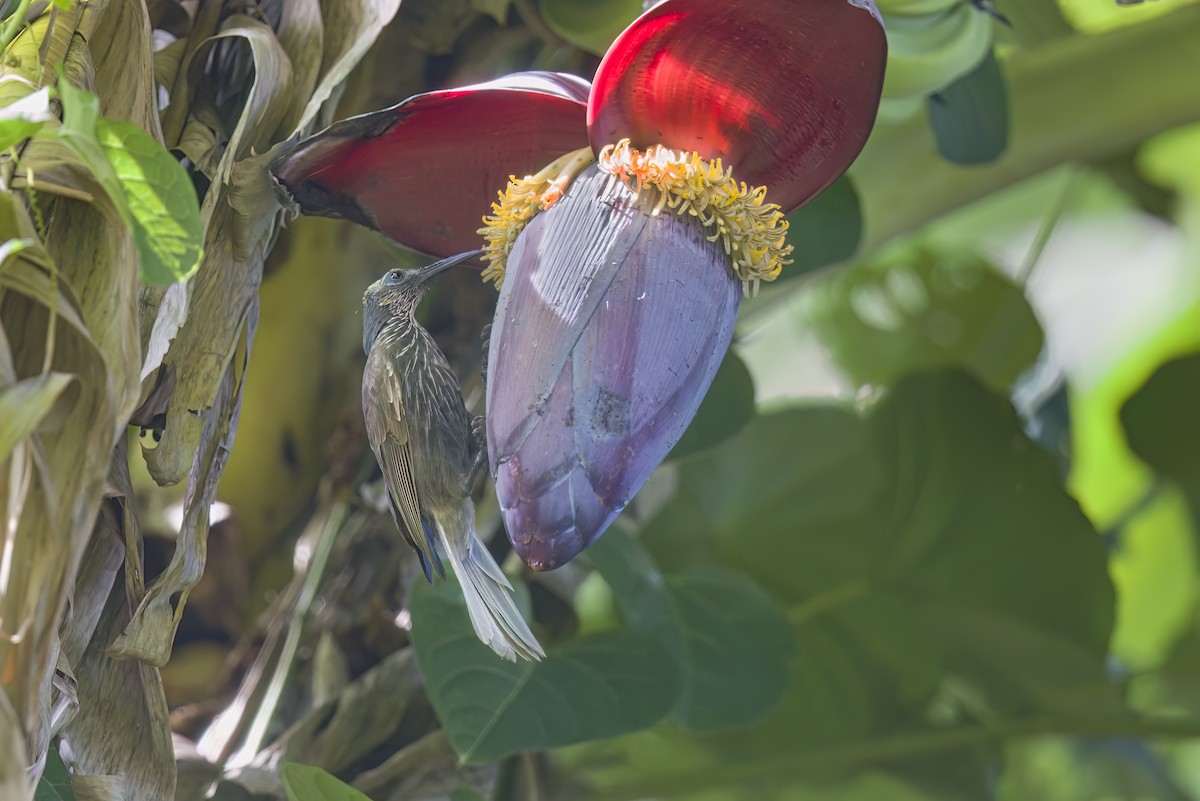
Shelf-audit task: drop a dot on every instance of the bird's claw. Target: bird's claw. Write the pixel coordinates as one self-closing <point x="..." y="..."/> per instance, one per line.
<point x="485" y="338"/>
<point x="479" y="434"/>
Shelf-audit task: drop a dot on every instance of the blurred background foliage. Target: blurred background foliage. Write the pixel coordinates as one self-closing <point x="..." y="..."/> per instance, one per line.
<point x="933" y="534"/>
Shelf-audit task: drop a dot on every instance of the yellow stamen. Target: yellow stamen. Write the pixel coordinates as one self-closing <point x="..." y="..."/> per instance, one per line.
<point x="519" y="202"/>
<point x="752" y="231"/>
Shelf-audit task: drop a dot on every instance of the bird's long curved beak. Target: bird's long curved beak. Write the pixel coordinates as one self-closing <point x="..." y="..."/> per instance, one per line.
<point x="431" y="272"/>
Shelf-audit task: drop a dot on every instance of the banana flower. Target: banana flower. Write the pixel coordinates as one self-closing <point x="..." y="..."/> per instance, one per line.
<point x="633" y="214"/>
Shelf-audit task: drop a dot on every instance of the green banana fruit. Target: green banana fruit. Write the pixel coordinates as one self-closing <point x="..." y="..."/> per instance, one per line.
<point x="928" y="52"/>
<point x="915" y="7"/>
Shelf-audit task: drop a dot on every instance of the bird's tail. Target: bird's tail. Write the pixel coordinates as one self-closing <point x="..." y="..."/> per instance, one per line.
<point x="496" y="619"/>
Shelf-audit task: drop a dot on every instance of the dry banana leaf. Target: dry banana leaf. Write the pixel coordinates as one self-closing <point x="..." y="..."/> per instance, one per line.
<point x="125" y="711"/>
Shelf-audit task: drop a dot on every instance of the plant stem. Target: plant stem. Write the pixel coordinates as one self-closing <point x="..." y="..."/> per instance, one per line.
<point x="12" y="25"/>
<point x="322" y="547"/>
<point x="827" y="601"/>
<point x="1063" y="97"/>
<point x="1046" y="229"/>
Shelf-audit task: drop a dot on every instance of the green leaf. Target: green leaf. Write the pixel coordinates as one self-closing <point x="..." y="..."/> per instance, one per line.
<point x="970" y="116"/>
<point x="920" y="309"/>
<point x="145" y="183"/>
<point x="310" y="783"/>
<point x="55" y="784"/>
<point x="726" y="408"/>
<point x="24" y="118"/>
<point x="898" y="541"/>
<point x="1162" y="424"/>
<point x="592" y="687"/>
<point x="161" y="201"/>
<point x="591" y="25"/>
<point x="731" y="641"/>
<point x="827" y="230"/>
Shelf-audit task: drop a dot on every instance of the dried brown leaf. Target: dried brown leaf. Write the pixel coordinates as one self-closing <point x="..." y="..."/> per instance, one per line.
<point x="120" y="50"/>
<point x="366" y="714"/>
<point x="151" y="631"/>
<point x="167" y="61"/>
<point x="125" y="711"/>
<point x="422" y="771"/>
<point x="25" y="404"/>
<point x="302" y="35"/>
<point x="14" y="784"/>
<point x="351" y="28"/>
<point x="269" y="94"/>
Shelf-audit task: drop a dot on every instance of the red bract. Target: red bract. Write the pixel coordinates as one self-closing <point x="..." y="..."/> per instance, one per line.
<point x="614" y="315"/>
<point x="785" y="93"/>
<point x="423" y="172"/>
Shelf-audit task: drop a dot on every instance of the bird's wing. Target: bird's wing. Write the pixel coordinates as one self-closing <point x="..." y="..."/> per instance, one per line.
<point x="387" y="431"/>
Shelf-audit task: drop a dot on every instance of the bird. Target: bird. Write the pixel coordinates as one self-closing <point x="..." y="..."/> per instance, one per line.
<point x="418" y="427"/>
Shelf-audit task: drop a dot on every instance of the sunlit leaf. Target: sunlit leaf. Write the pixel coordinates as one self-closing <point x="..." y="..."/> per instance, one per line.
<point x="148" y="187"/>
<point x="160" y="199"/>
<point x="310" y="783"/>
<point x="592" y="687"/>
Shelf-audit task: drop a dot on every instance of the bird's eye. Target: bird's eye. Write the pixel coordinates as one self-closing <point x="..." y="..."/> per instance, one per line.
<point x="393" y="275"/>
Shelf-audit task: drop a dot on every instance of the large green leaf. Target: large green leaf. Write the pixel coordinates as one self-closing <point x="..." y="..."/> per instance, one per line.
<point x="593" y="687"/>
<point x="921" y="309"/>
<point x="937" y="576"/>
<point x="732" y="642"/>
<point x="726" y="407"/>
<point x="310" y="783"/>
<point x="148" y="187"/>
<point x="930" y="539"/>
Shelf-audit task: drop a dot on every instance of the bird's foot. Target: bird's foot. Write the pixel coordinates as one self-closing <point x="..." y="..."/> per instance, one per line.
<point x="485" y="338"/>
<point x="479" y="434"/>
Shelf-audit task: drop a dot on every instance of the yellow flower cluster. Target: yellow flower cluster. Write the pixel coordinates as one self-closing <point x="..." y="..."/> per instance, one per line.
<point x="519" y="202"/>
<point x="752" y="230"/>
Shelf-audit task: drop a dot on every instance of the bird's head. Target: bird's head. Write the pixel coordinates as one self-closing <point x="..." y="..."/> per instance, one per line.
<point x="398" y="292"/>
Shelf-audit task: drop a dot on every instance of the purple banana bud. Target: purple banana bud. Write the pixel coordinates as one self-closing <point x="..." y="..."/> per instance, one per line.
<point x="610" y="326"/>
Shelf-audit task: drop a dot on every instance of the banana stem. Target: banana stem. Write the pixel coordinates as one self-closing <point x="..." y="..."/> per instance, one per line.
<point x="1080" y="98"/>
